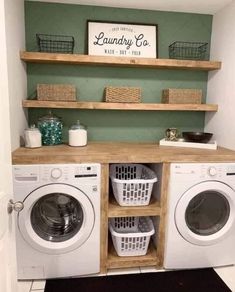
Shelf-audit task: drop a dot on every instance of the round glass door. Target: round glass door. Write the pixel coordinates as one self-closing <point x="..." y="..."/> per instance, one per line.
<point x="56" y="218"/>
<point x="204" y="214"/>
<point x="207" y="213"/>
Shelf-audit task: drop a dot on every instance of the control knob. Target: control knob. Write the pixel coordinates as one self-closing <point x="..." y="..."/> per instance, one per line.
<point x="56" y="173"/>
<point x="212" y="171"/>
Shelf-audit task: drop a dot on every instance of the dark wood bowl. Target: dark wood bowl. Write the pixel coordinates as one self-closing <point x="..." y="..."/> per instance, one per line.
<point x="198" y="137"/>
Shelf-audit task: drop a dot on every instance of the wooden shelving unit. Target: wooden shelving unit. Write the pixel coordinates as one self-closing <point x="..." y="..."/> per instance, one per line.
<point x="37" y="57"/>
<point x="119" y="106"/>
<point x="110" y="208"/>
<point x="155" y="209"/>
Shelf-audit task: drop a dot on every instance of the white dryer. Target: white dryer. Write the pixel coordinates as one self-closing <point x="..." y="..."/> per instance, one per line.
<point x="200" y="220"/>
<point x="58" y="229"/>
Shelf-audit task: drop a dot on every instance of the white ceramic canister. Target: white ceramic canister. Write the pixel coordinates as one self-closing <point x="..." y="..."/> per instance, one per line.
<point x="77" y="135"/>
<point x="33" y="137"/>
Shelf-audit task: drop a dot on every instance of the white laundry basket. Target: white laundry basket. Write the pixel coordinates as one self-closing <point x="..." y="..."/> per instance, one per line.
<point x="131" y="235"/>
<point x="132" y="183"/>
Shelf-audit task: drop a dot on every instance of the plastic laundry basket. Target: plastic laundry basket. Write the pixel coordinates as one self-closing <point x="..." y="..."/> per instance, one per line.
<point x="131" y="235"/>
<point x="132" y="183"/>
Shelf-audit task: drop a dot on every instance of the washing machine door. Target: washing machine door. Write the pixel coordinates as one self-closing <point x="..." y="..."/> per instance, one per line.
<point x="56" y="218"/>
<point x="205" y="213"/>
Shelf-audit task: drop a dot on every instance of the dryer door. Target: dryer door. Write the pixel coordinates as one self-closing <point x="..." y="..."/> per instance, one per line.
<point x="205" y="213"/>
<point x="56" y="218"/>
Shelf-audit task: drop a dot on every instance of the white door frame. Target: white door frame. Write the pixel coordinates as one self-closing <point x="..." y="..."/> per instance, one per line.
<point x="8" y="281"/>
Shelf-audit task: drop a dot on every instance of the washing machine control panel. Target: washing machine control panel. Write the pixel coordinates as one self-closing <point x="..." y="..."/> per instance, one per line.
<point x="85" y="171"/>
<point x="51" y="173"/>
<point x="69" y="173"/>
<point x="54" y="173"/>
<point x="23" y="174"/>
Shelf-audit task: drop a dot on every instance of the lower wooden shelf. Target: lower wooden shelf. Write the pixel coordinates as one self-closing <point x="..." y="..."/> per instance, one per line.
<point x="150" y="259"/>
<point x="118" y="106"/>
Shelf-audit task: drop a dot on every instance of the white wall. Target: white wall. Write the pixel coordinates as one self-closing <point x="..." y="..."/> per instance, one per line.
<point x="221" y="84"/>
<point x="15" y="41"/>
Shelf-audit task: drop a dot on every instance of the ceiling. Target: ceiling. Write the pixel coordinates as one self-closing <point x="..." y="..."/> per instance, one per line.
<point x="194" y="6"/>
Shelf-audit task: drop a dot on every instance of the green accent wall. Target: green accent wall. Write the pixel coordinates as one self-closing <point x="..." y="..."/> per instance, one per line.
<point x="68" y="19"/>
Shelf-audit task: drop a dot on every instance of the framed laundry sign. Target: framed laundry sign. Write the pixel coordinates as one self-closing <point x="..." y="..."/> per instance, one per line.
<point x="122" y="39"/>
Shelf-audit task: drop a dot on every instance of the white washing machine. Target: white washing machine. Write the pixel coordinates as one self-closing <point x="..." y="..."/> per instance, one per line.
<point x="200" y="220"/>
<point x="58" y="229"/>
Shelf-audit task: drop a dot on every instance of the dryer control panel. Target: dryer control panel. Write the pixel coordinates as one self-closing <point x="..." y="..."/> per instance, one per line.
<point x="204" y="171"/>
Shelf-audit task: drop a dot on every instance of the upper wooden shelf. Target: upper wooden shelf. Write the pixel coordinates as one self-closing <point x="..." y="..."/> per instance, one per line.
<point x="37" y="57"/>
<point x="119" y="106"/>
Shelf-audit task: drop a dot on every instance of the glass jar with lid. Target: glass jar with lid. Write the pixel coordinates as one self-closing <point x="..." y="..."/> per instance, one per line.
<point x="32" y="137"/>
<point x="50" y="127"/>
<point x="77" y="135"/>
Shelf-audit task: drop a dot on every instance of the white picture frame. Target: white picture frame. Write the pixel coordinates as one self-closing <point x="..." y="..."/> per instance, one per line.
<point x="122" y="39"/>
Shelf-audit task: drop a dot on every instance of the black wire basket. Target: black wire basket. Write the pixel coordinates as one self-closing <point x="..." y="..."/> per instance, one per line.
<point x="188" y="50"/>
<point x="55" y="43"/>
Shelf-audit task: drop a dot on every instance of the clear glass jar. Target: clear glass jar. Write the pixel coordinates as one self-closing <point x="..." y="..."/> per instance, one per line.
<point x="50" y="127"/>
<point x="77" y="135"/>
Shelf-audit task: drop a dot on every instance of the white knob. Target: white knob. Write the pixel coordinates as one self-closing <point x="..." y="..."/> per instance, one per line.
<point x="212" y="171"/>
<point x="56" y="173"/>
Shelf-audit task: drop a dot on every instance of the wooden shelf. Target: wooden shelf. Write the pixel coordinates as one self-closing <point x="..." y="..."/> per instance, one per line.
<point x="119" y="106"/>
<point x="115" y="210"/>
<point x="37" y="57"/>
<point x="114" y="261"/>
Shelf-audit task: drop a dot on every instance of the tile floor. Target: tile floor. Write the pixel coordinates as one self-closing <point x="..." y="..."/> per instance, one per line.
<point x="226" y="273"/>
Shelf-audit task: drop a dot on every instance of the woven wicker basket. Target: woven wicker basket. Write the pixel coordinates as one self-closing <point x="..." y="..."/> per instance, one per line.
<point x="60" y="92"/>
<point x="172" y="95"/>
<point x="122" y="94"/>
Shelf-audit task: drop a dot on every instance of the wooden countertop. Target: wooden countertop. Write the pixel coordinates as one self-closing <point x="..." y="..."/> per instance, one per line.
<point x="119" y="152"/>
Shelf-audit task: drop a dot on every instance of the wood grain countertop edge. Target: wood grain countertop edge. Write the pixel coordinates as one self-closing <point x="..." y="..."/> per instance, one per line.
<point x="119" y="152"/>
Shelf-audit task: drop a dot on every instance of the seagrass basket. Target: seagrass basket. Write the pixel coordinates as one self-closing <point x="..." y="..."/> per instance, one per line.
<point x="56" y="92"/>
<point x="122" y="94"/>
<point x="180" y="96"/>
